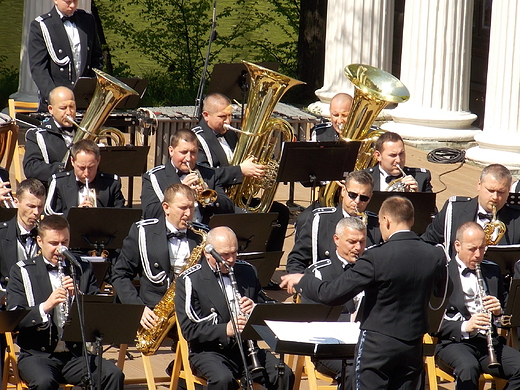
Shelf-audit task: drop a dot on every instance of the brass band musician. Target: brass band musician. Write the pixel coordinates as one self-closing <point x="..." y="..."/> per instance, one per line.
<point x="339" y="109"/>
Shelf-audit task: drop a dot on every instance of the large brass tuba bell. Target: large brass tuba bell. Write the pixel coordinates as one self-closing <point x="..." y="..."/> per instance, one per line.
<point x="109" y="91"/>
<point x="260" y="136"/>
<point x="375" y="89"/>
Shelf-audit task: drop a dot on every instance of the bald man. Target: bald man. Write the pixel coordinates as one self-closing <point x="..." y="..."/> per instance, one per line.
<point x="340" y="106"/>
<point x="47" y="145"/>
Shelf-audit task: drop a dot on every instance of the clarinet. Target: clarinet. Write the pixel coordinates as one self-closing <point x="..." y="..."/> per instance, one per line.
<point x="493" y="361"/>
<point x="65" y="306"/>
<point x="251" y="347"/>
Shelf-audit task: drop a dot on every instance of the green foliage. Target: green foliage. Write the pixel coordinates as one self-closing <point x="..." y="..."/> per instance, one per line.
<point x="8" y="81"/>
<point x="171" y="37"/>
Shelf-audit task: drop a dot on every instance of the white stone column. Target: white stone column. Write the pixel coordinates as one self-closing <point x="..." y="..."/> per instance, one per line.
<point x="500" y="140"/>
<point x="358" y="31"/>
<point x="435" y="66"/>
<point x="27" y="90"/>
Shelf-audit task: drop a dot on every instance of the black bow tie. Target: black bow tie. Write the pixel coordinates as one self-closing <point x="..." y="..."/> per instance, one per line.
<point x="180" y="235"/>
<point x="32" y="234"/>
<point x="487" y="216"/>
<point x="71" y="18"/>
<point x="80" y="185"/>
<point x="218" y="135"/>
<point x="388" y="179"/>
<point x="466" y="271"/>
<point x="50" y="267"/>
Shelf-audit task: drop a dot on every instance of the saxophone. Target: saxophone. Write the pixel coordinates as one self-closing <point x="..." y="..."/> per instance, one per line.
<point x="149" y="340"/>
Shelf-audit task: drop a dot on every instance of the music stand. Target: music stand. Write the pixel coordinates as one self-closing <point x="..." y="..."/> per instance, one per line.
<point x="89" y="228"/>
<point x="102" y="323"/>
<point x="317" y="161"/>
<point x="7" y="214"/>
<point x="252" y="229"/>
<point x="506" y="257"/>
<point x="85" y="87"/>
<point x="100" y="269"/>
<point x="83" y="91"/>
<point x="9" y="320"/>
<point x="265" y="264"/>
<point x="423" y="203"/>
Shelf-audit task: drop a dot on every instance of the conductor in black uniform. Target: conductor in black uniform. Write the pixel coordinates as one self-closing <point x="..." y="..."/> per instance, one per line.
<point x="339" y="108"/>
<point x="493" y="189"/>
<point x="390" y="152"/>
<point x="398" y="277"/>
<point x="47" y="145"/>
<point x="84" y="186"/>
<point x="205" y="320"/>
<point x="46" y="360"/>
<point x="462" y="337"/>
<point x="315" y="227"/>
<point x="63" y="46"/>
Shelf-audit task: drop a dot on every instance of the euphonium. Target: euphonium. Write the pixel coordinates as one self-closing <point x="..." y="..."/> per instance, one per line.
<point x="260" y="136"/>
<point x="109" y="91"/>
<point x="207" y="196"/>
<point x="493" y="361"/>
<point x="397" y="184"/>
<point x="375" y="89"/>
<point x="494" y="229"/>
<point x="149" y="340"/>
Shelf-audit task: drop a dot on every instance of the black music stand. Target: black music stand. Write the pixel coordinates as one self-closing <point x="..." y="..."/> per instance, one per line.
<point x="252" y="229"/>
<point x="423" y="203"/>
<point x="9" y="320"/>
<point x="265" y="264"/>
<point x="103" y="324"/>
<point x="85" y="87"/>
<point x="100" y="269"/>
<point x="317" y="161"/>
<point x="83" y="91"/>
<point x="512" y="312"/>
<point x="7" y="214"/>
<point x="100" y="227"/>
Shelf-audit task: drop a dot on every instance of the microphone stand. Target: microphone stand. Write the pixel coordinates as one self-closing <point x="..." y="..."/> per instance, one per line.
<point x="238" y="336"/>
<point x="212" y="35"/>
<point x="88" y="374"/>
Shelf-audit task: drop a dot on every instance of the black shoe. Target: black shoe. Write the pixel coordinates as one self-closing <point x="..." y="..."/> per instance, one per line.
<point x="272" y="285"/>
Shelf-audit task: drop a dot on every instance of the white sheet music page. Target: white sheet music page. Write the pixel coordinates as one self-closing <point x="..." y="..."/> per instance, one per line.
<point x="315" y="332"/>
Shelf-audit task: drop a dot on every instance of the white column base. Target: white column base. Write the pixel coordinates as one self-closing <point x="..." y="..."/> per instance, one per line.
<point x="434" y="118"/>
<point x="415" y="132"/>
<point x="482" y="157"/>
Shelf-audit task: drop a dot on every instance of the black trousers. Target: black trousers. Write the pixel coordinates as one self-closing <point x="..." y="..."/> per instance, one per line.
<point x="44" y="372"/>
<point x="222" y="370"/>
<point x="384" y="362"/>
<point x="469" y="358"/>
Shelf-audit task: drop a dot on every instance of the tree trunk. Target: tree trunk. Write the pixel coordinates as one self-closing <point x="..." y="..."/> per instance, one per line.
<point x="108" y="67"/>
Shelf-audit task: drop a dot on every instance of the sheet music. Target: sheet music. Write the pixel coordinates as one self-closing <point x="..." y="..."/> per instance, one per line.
<point x="316" y="332"/>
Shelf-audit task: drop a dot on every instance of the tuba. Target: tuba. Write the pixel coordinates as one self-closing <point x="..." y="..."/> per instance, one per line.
<point x="260" y="137"/>
<point x="375" y="89"/>
<point x="109" y="91"/>
<point x="147" y="341"/>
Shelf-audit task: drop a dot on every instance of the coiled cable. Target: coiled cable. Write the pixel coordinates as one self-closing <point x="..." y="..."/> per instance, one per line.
<point x="447" y="156"/>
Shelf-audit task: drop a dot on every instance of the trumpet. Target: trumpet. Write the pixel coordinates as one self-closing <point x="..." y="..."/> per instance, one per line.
<point x="90" y="194"/>
<point x="493" y="361"/>
<point x="65" y="306"/>
<point x="8" y="203"/>
<point x="206" y="196"/>
<point x="397" y="184"/>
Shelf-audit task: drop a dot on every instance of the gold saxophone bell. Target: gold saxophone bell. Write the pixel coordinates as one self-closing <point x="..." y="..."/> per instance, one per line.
<point x="494" y="229"/>
<point x="206" y="196"/>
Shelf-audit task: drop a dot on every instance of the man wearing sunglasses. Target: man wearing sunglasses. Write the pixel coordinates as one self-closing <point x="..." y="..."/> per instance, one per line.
<point x="390" y="154"/>
<point x="315" y="227"/>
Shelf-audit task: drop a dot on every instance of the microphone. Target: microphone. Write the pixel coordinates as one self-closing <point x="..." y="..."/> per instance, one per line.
<point x="63" y="250"/>
<point x="211" y="250"/>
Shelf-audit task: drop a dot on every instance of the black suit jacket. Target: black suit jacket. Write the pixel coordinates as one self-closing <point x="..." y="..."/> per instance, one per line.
<point x="309" y="247"/>
<point x="130" y="263"/>
<point x="464" y="210"/>
<point x="165" y="175"/>
<point x="63" y="192"/>
<point x="45" y="149"/>
<point x="456" y="310"/>
<point x="46" y="73"/>
<point x="207" y="304"/>
<point x="211" y="153"/>
<point x="421" y="175"/>
<point x="37" y="337"/>
<point x="398" y="277"/>
<point x="324" y="132"/>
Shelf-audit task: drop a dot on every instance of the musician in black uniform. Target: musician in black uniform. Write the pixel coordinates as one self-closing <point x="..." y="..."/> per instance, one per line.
<point x="46" y="146"/>
<point x="515" y="187"/>
<point x="18" y="236"/>
<point x="463" y="343"/>
<point x="339" y="108"/>
<point x="216" y="148"/>
<point x="315" y="227"/>
<point x="205" y="320"/>
<point x="183" y="151"/>
<point x="155" y="249"/>
<point x="390" y="152"/>
<point x="63" y="45"/>
<point x="45" y="360"/>
<point x="84" y="186"/>
<point x="493" y="189"/>
<point x="398" y="278"/>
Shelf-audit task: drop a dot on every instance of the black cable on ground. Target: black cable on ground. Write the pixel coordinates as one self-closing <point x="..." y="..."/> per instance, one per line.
<point x="447" y="156"/>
